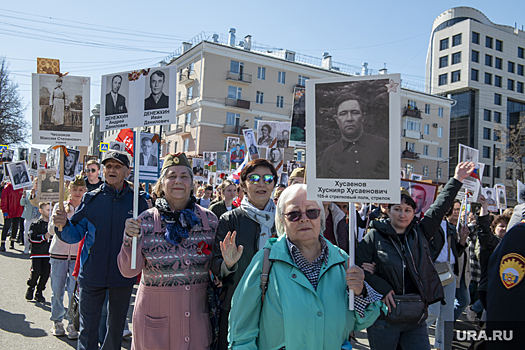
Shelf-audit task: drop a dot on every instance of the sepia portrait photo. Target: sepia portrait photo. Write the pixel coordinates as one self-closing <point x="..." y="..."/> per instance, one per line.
<point x="48" y="185"/>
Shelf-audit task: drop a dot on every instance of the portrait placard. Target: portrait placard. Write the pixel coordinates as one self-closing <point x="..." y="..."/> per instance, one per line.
<point x="23" y="154"/>
<point x="223" y="162"/>
<point x="8" y="155"/>
<point x="60" y="110"/>
<point x="34" y="161"/>
<point x="251" y="145"/>
<point x="423" y="193"/>
<point x="353" y="125"/>
<point x="266" y="134"/>
<point x="416" y="177"/>
<point x="276" y="157"/>
<point x="237" y="153"/>
<point x="138" y="98"/>
<point x="48" y="185"/>
<point x="283" y="134"/>
<point x="468" y="154"/>
<point x="231" y="142"/>
<point x="70" y="165"/>
<point x="19" y="175"/>
<point x="501" y="195"/>
<point x="472" y="184"/>
<point x="198" y="166"/>
<point x="298" y="125"/>
<point x="291" y="166"/>
<point x="149" y="158"/>
<point x="520" y="191"/>
<point x="492" y="199"/>
<point x="117" y="146"/>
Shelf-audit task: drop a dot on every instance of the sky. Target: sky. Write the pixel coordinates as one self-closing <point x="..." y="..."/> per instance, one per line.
<point x="93" y="38"/>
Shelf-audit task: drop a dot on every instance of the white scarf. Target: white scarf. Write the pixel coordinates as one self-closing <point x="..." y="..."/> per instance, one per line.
<point x="265" y="218"/>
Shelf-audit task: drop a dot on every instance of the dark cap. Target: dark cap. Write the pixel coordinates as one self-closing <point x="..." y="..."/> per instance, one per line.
<point x="120" y="157"/>
<point x="174" y="159"/>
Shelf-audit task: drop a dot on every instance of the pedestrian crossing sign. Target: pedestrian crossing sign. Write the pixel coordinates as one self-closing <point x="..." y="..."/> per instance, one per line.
<point x="104" y="146"/>
<point x="3" y="148"/>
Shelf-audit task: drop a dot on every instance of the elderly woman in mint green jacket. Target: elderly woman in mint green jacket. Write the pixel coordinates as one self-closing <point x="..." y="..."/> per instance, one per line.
<point x="306" y="304"/>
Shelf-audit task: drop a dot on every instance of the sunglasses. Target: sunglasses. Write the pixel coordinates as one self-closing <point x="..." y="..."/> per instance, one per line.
<point x="311" y="214"/>
<point x="254" y="178"/>
<point x="91" y="170"/>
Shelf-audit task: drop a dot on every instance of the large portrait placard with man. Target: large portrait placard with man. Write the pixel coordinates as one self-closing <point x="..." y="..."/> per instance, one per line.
<point x="353" y="125"/>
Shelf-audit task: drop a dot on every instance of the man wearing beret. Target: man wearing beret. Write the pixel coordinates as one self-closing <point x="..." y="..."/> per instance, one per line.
<point x="100" y="220"/>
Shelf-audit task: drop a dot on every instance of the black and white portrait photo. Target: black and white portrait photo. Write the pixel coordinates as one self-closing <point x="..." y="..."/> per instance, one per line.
<point x="502" y="196"/>
<point x="521" y="192"/>
<point x="205" y="173"/>
<point x="231" y="142"/>
<point x="283" y="134"/>
<point x="223" y="161"/>
<point x="298" y="127"/>
<point x="468" y="154"/>
<point x="198" y="166"/>
<point x="416" y="177"/>
<point x="23" y="153"/>
<point x="251" y="145"/>
<point x="70" y="164"/>
<point x="117" y="88"/>
<point x="34" y="161"/>
<point x="157" y="94"/>
<point x="210" y="157"/>
<point x="48" y="185"/>
<point x="266" y="134"/>
<point x="490" y="196"/>
<point x="117" y="146"/>
<point x="149" y="152"/>
<point x="353" y="126"/>
<point x="291" y="166"/>
<point x="19" y="175"/>
<point x="275" y="156"/>
<point x="8" y="155"/>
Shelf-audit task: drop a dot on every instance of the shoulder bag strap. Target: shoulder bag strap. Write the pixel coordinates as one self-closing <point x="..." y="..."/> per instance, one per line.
<point x="267" y="265"/>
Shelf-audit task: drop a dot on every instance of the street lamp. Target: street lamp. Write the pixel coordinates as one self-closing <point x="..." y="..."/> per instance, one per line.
<point x="241" y="126"/>
<point x="438" y="163"/>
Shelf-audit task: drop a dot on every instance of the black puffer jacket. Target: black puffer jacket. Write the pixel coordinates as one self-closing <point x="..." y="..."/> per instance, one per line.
<point x="384" y="247"/>
<point x="248" y="232"/>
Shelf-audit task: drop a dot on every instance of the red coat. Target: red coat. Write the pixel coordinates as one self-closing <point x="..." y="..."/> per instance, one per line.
<point x="11" y="202"/>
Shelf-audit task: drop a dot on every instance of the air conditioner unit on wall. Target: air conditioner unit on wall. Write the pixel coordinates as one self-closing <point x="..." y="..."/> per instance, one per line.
<point x="435" y="125"/>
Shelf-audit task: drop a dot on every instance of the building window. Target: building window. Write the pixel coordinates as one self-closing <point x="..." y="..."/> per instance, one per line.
<point x="499" y="45"/>
<point x="475" y="56"/>
<point x="411" y="146"/>
<point x="443" y="79"/>
<point x="234" y="92"/>
<point x="412" y="104"/>
<point x="302" y="80"/>
<point x="280" y="101"/>
<point x="232" y="118"/>
<point x="497" y="99"/>
<point x="510" y="84"/>
<point x="496" y="138"/>
<point x="520" y="69"/>
<point x="486" y="152"/>
<point x="261" y="73"/>
<point x="497" y="81"/>
<point x="488" y="60"/>
<point x="186" y="145"/>
<point x="256" y="122"/>
<point x="443" y="61"/>
<point x="440" y="131"/>
<point x="281" y="78"/>
<point x="511" y="67"/>
<point x="443" y="44"/>
<point x="189" y="93"/>
<point x="497" y="117"/>
<point x="488" y="42"/>
<point x="456" y="76"/>
<point x="488" y="78"/>
<point x="259" y="98"/>
<point x="412" y="125"/>
<point x="409" y="168"/>
<point x="486" y="115"/>
<point x="486" y="134"/>
<point x="237" y="68"/>
<point x="425" y="170"/>
<point x="439" y="152"/>
<point x="508" y="176"/>
<point x="425" y="150"/>
<point x="427" y="129"/>
<point x="456" y="40"/>
<point x="498" y="63"/>
<point x="497" y="172"/>
<point x="440" y="112"/>
<point x="427" y="108"/>
<point x="456" y="57"/>
<point x="486" y="170"/>
<point x="475" y="38"/>
<point x="521" y="53"/>
<point x="519" y="87"/>
<point x="474" y="74"/>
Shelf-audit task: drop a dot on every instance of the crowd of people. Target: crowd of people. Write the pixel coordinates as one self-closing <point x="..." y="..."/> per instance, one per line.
<point x="254" y="265"/>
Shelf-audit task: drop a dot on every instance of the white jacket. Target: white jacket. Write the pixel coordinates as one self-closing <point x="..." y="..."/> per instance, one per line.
<point x="60" y="249"/>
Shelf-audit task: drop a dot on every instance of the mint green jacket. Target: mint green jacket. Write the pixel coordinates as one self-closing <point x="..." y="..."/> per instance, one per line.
<point x="294" y="315"/>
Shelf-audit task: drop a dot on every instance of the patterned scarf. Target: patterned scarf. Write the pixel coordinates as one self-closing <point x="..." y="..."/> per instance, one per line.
<point x="179" y="222"/>
<point x="265" y="218"/>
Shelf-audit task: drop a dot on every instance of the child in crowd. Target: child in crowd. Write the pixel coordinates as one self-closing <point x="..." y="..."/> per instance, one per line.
<point x="40" y="267"/>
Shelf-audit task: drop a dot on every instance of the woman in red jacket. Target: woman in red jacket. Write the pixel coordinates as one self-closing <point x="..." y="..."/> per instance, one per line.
<point x="10" y="205"/>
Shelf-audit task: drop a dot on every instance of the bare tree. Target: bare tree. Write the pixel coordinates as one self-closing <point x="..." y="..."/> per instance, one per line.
<point x="512" y="151"/>
<point x="13" y="127"/>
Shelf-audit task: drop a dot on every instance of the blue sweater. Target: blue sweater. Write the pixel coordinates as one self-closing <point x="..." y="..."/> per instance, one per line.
<point x="101" y="220"/>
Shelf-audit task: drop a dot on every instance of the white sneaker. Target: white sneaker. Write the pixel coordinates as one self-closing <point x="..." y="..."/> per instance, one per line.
<point x="471" y="315"/>
<point x="58" y="329"/>
<point x="71" y="332"/>
<point x="126" y="333"/>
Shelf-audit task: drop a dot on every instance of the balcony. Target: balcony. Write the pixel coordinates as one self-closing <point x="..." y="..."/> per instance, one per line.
<point x="186" y="77"/>
<point x="233" y="129"/>
<point x="231" y="102"/>
<point x="408" y="154"/>
<point x="412" y="134"/>
<point x="184" y="103"/>
<point x="183" y="129"/>
<point x="409" y="112"/>
<point x="239" y="77"/>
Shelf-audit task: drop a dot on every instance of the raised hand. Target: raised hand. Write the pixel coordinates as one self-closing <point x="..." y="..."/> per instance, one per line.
<point x="463" y="170"/>
<point x="230" y="252"/>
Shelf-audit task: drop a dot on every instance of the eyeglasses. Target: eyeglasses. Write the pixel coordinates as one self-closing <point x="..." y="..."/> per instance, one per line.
<point x="91" y="170"/>
<point x="311" y="214"/>
<point x="254" y="179"/>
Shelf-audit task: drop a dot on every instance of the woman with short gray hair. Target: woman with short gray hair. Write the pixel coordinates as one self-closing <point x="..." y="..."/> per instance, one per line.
<point x="306" y="304"/>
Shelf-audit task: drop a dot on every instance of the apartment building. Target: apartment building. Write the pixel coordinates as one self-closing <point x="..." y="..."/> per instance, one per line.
<point x="480" y="65"/>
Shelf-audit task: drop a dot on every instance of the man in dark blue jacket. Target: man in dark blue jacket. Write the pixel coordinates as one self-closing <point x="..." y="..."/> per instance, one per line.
<point x="100" y="219"/>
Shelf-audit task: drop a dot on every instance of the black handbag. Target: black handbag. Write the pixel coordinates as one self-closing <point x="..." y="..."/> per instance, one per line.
<point x="74" y="308"/>
<point x="410" y="308"/>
